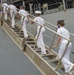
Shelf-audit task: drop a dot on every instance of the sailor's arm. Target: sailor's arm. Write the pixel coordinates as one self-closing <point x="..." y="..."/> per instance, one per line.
<point x="58" y="41"/>
<point x="31" y="21"/>
<point x="18" y="16"/>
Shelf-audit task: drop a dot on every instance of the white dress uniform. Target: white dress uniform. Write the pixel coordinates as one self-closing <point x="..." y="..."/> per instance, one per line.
<point x="65" y="60"/>
<point x="13" y="10"/>
<point x="40" y="42"/>
<point x="4" y="6"/>
<point x="24" y="21"/>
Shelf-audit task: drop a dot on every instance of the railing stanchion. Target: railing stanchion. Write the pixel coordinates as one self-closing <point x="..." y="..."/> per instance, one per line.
<point x="37" y="36"/>
<point x="53" y="40"/>
<point x="62" y="56"/>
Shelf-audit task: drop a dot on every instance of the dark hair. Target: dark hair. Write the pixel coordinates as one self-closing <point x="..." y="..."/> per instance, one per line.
<point x="61" y="22"/>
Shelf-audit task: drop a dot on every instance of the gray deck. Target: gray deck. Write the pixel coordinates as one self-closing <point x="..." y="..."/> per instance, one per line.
<point x="12" y="59"/>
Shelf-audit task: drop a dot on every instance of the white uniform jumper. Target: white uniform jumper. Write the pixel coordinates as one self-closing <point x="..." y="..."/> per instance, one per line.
<point x="4" y="6"/>
<point x="65" y="60"/>
<point x="12" y="14"/>
<point x="24" y="21"/>
<point x="40" y="42"/>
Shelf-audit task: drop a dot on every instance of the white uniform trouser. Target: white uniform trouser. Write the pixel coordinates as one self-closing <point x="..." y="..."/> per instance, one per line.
<point x="65" y="60"/>
<point x="12" y="18"/>
<point x="24" y="27"/>
<point x="40" y="42"/>
<point x="5" y="13"/>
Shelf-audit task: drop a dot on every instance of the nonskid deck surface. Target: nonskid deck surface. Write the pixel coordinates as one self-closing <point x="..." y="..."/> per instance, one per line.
<point x="45" y="63"/>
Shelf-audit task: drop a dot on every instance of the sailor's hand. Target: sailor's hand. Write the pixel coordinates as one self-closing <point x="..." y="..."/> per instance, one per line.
<point x="54" y="47"/>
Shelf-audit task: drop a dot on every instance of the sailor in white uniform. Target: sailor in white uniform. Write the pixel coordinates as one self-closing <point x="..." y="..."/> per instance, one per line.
<point x="63" y="42"/>
<point x="23" y="14"/>
<point x="13" y="11"/>
<point x="40" y="22"/>
<point x="4" y="10"/>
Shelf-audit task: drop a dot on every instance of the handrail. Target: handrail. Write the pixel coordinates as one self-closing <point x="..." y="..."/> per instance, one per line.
<point x="52" y="31"/>
<point x="47" y="27"/>
<point x="49" y="23"/>
<point x="44" y="26"/>
<point x="53" y="25"/>
<point x="53" y="40"/>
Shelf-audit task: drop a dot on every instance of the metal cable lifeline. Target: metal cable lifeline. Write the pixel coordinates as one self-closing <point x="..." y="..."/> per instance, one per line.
<point x="53" y="41"/>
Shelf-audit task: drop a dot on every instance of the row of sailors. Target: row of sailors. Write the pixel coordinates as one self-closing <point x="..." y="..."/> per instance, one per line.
<point x="68" y="66"/>
<point x="23" y="14"/>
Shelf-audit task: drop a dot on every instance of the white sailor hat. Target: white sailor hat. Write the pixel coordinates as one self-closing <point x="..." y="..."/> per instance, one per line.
<point x="37" y="12"/>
